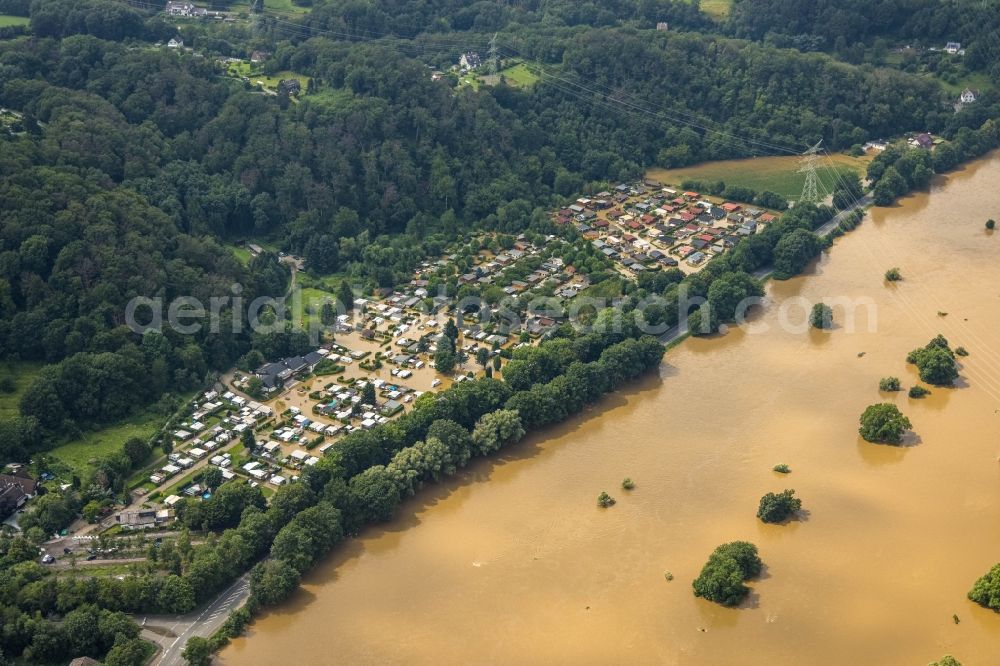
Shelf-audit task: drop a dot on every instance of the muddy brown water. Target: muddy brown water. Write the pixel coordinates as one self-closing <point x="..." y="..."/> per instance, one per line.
<point x="513" y="562"/>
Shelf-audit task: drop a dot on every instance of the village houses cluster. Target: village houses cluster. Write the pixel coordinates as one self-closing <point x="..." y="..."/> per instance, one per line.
<point x="646" y="227"/>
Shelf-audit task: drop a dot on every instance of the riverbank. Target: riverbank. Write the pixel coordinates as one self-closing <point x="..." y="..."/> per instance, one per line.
<point x="526" y="568"/>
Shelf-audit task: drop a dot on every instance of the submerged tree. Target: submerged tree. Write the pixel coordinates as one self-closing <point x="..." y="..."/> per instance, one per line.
<point x="883" y="423"/>
<point x="721" y="579"/>
<point x="776" y="507"/>
<point x="821" y="316"/>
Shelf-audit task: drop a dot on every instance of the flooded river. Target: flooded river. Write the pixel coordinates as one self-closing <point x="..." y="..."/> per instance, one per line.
<point x="513" y="562"/>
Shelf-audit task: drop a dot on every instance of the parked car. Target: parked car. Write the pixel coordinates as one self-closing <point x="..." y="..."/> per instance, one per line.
<point x="91" y="557"/>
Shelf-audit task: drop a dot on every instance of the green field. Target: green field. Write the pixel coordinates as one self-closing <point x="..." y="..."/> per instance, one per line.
<point x="775" y="174"/>
<point x="78" y="453"/>
<point x="275" y="6"/>
<point x="22" y="373"/>
<point x="7" y="20"/>
<point x="520" y="75"/>
<point x="717" y="8"/>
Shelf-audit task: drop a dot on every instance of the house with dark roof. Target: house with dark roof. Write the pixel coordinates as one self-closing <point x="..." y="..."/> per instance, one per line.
<point x="15" y="490"/>
<point x="290" y="86"/>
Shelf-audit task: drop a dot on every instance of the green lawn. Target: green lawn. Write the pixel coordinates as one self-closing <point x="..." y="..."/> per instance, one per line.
<point x="976" y="81"/>
<point x="183" y="483"/>
<point x="242" y="254"/>
<point x="78" y="453"/>
<point x="7" y="20"/>
<point x="312" y="302"/>
<point x="520" y="75"/>
<point x="272" y="81"/>
<point x="330" y="98"/>
<point x="22" y="373"/>
<point x="776" y="174"/>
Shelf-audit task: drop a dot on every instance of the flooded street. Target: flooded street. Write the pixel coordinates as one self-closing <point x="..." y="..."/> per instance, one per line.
<point x="513" y="562"/>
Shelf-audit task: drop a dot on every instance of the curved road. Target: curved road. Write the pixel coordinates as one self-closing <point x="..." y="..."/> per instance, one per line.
<point x="171" y="633"/>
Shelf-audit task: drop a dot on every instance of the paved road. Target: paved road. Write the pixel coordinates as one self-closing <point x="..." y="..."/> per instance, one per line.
<point x="173" y="632"/>
<point x="679" y="331"/>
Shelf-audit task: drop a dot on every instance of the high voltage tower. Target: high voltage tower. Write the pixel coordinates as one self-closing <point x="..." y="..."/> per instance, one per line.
<point x="256" y="6"/>
<point x="494" y="55"/>
<point x="809" y="162"/>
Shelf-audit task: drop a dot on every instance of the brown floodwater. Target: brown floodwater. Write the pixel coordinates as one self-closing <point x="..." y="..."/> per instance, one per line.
<point x="513" y="562"/>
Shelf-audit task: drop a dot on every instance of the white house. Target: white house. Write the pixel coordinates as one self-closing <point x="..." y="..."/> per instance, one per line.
<point x="968" y="96"/>
<point x="470" y="61"/>
<point x="175" y="43"/>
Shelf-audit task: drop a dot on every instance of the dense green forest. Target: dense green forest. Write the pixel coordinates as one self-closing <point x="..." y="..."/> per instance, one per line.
<point x="832" y="24"/>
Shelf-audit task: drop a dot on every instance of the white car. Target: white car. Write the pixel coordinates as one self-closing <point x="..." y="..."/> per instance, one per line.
<point x="435" y="383"/>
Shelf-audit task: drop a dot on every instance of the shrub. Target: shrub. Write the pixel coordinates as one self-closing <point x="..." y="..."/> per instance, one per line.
<point x="893" y="275"/>
<point x="918" y="391"/>
<point x="721" y="579"/>
<point x="782" y="468"/>
<point x="991" y="224"/>
<point x="961" y="351"/>
<point x="777" y="507"/>
<point x="605" y="500"/>
<point x="946" y="660"/>
<point x="628" y="484"/>
<point x="883" y="423"/>
<point x="889" y="384"/>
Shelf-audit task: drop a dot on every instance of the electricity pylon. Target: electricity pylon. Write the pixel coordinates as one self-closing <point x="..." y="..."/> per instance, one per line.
<point x="810" y="190"/>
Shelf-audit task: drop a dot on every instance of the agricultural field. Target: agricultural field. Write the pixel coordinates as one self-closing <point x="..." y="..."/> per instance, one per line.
<point x="8" y="20"/>
<point x="776" y="174"/>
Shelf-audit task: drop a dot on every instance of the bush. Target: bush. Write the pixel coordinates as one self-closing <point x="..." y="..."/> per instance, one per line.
<point x="605" y="500"/>
<point x="889" y="384"/>
<point x="884" y="424"/>
<point x="893" y="275"/>
<point x="628" y="484"/>
<point x="782" y="468"/>
<point x="918" y="392"/>
<point x="991" y="224"/>
<point x="721" y="579"/>
<point x="946" y="660"/>
<point x="777" y="507"/>
<point x="961" y="351"/>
